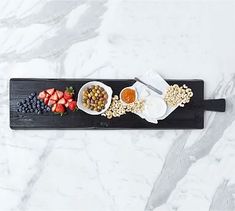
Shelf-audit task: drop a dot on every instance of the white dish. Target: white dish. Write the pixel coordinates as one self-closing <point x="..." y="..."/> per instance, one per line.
<point x="87" y="85"/>
<point x="154" y="107"/>
<point x="129" y="87"/>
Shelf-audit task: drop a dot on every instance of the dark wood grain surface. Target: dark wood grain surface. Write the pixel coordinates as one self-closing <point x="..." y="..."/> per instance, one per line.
<point x="189" y="117"/>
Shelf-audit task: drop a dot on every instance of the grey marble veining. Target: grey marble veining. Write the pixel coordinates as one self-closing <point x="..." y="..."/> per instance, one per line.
<point x="168" y="170"/>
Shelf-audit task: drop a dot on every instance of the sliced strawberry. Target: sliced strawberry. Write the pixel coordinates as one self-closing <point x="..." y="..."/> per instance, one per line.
<point x="70" y="100"/>
<point x="54" y="97"/>
<point x="73" y="106"/>
<point x="54" y="107"/>
<point x="47" y="95"/>
<point x="68" y="93"/>
<point x="42" y="95"/>
<point x="50" y="91"/>
<point x="62" y="101"/>
<point x="60" y="109"/>
<point x="46" y="100"/>
<point x="66" y="104"/>
<point x="59" y="94"/>
<point x="51" y="102"/>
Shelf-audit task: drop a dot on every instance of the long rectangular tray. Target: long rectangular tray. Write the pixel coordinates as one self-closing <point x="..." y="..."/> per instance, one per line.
<point x="189" y="117"/>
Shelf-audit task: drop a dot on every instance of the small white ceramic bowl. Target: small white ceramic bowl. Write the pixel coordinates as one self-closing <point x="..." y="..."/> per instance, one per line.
<point x="129" y="87"/>
<point x="87" y="85"/>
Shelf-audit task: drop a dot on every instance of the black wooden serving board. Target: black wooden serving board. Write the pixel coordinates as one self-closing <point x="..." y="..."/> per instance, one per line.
<point x="189" y="117"/>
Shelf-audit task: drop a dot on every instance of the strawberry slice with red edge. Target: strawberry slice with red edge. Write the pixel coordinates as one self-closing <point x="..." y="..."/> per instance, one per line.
<point x="46" y="100"/>
<point x="54" y="97"/>
<point x="47" y="95"/>
<point x="68" y="93"/>
<point x="73" y="106"/>
<point x="62" y="101"/>
<point x="60" y="109"/>
<point x="42" y="95"/>
<point x="50" y="91"/>
<point x="53" y="107"/>
<point x="51" y="102"/>
<point x="59" y="93"/>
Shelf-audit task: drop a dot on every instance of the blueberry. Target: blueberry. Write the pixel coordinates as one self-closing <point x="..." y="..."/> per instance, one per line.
<point x="33" y="94"/>
<point x="24" y="104"/>
<point x="34" y="106"/>
<point x="30" y="97"/>
<point x="18" y="103"/>
<point x="48" y="108"/>
<point x="23" y="111"/>
<point x="31" y="110"/>
<point x="39" y="112"/>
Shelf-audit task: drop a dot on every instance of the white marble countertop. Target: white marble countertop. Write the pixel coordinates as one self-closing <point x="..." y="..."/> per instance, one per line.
<point x="119" y="170"/>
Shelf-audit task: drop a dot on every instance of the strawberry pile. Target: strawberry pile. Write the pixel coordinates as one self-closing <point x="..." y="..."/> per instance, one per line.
<point x="58" y="100"/>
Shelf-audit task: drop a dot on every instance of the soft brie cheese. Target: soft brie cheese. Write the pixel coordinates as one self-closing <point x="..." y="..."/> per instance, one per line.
<point x="154" y="107"/>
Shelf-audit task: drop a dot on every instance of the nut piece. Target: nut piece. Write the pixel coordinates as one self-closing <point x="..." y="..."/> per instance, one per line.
<point x="178" y="96"/>
<point x="116" y="109"/>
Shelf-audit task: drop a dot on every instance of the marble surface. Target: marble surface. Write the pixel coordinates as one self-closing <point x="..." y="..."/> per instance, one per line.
<point x="119" y="170"/>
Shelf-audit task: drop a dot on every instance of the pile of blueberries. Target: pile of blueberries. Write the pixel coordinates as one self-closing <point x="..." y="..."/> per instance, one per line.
<point x="32" y="105"/>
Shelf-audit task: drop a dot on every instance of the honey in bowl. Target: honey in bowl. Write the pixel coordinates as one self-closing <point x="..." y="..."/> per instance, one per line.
<point x="128" y="95"/>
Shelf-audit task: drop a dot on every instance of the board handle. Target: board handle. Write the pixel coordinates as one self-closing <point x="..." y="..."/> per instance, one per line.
<point x="214" y="105"/>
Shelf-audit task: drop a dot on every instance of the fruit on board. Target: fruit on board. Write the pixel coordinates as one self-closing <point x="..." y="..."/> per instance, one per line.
<point x="32" y="104"/>
<point x="62" y="101"/>
<point x="59" y="93"/>
<point x="50" y="91"/>
<point x="60" y="109"/>
<point x="57" y="100"/>
<point x="68" y="93"/>
<point x="42" y="95"/>
<point x="73" y="105"/>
